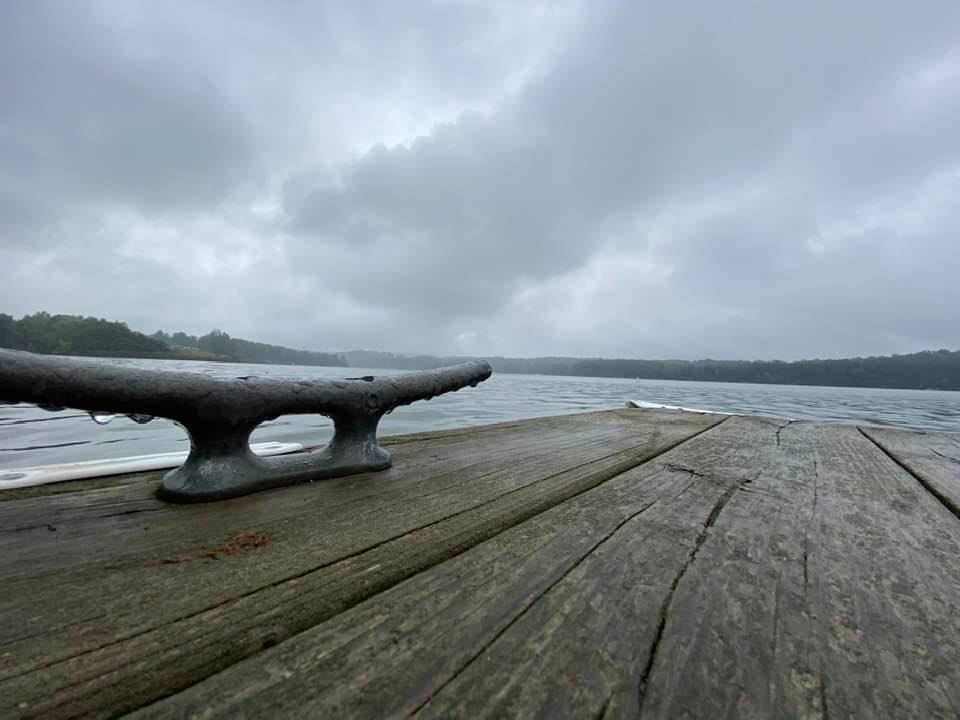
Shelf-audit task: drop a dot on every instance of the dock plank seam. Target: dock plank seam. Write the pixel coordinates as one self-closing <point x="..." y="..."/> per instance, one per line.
<point x="533" y="601"/>
<point x="602" y="478"/>
<point x="363" y="551"/>
<point x="166" y="508"/>
<point x="605" y="477"/>
<point x="126" y="480"/>
<point x="806" y="529"/>
<point x="668" y="600"/>
<point x="428" y="492"/>
<point x="924" y="483"/>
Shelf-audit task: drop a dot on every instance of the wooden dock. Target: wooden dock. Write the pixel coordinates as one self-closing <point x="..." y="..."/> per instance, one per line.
<point x="614" y="564"/>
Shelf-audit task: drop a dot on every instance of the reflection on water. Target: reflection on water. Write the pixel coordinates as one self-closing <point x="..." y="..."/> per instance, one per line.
<point x="30" y="436"/>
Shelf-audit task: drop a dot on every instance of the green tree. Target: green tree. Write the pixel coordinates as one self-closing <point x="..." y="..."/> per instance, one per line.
<point x="9" y="337"/>
<point x="217" y="342"/>
<point x="181" y="339"/>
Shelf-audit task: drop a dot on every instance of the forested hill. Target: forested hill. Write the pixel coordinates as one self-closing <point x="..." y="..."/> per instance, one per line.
<point x="932" y="369"/>
<point x="76" y="335"/>
<point x="936" y="369"/>
<point x="239" y="350"/>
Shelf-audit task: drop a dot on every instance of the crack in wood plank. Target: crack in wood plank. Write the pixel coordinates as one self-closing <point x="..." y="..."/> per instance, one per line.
<point x="632" y="457"/>
<point x="583" y="557"/>
<point x="806" y="530"/>
<point x="824" y="708"/>
<point x="945" y="457"/>
<point x="602" y="712"/>
<point x="779" y="597"/>
<point x="668" y="600"/>
<point x="461" y="605"/>
<point x="781" y="428"/>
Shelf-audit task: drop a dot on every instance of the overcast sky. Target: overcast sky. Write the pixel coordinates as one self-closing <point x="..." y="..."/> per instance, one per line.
<point x="713" y="179"/>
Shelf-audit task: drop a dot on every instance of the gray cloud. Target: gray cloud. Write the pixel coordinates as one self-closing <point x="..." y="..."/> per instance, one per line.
<point x="91" y="117"/>
<point x="730" y="181"/>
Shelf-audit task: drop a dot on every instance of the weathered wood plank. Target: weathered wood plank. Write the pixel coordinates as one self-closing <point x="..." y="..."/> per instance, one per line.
<point x="583" y="650"/>
<point x="97" y="496"/>
<point x="829" y="585"/>
<point x="933" y="458"/>
<point x="488" y="632"/>
<point x="94" y="533"/>
<point x="114" y="482"/>
<point x="369" y="533"/>
<point x="830" y="589"/>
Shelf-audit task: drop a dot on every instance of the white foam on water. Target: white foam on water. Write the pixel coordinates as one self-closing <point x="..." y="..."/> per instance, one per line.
<point x="45" y="474"/>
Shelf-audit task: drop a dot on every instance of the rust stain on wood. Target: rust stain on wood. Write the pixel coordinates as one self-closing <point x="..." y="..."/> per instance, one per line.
<point x="236" y="544"/>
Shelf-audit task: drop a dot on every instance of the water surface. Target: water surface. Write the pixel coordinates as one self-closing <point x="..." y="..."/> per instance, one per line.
<point x="29" y="436"/>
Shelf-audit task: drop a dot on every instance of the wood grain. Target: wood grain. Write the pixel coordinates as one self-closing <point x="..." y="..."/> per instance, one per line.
<point x="617" y="564"/>
<point x="840" y="587"/>
<point x="762" y="569"/>
<point x="933" y="458"/>
<point x="209" y="608"/>
<point x="439" y="634"/>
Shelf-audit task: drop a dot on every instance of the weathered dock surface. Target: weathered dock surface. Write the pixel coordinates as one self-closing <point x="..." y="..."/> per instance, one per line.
<point x="615" y="564"/>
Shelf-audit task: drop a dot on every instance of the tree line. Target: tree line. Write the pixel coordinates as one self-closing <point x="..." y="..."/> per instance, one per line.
<point x="78" y="335"/>
<point x="930" y="369"/>
<point x="218" y="342"/>
<point x="74" y="335"/>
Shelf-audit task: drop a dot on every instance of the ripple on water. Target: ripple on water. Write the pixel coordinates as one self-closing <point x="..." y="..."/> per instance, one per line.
<point x="28" y="436"/>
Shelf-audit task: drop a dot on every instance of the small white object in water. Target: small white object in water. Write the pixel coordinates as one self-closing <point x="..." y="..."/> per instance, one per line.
<point x="643" y="404"/>
<point x="658" y="406"/>
<point x="44" y="474"/>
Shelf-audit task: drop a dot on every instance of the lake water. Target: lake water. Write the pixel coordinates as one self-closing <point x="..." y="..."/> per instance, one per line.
<point x="30" y="436"/>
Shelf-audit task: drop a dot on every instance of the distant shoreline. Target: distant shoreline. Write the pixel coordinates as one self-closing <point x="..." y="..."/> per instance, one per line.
<point x="198" y="356"/>
<point x="96" y="337"/>
<point x="201" y="356"/>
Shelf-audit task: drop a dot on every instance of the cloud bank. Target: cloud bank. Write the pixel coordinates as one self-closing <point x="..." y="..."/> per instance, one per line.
<point x="730" y="180"/>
